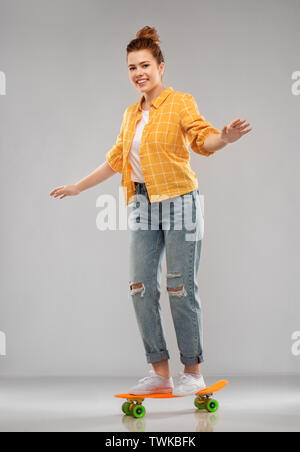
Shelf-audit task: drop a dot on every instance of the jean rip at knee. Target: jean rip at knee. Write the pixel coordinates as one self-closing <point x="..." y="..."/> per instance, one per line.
<point x="175" y="285"/>
<point x="137" y="288"/>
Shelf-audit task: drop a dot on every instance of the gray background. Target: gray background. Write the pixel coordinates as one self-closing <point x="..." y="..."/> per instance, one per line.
<point x="63" y="283"/>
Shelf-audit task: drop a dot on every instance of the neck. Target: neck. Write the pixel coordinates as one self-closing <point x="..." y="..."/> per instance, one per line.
<point x="151" y="95"/>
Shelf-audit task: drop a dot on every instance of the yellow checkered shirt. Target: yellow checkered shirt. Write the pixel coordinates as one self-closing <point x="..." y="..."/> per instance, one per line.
<point x="174" y="124"/>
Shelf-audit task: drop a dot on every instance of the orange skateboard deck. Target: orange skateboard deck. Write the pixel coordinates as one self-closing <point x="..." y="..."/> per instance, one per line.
<point x="203" y="401"/>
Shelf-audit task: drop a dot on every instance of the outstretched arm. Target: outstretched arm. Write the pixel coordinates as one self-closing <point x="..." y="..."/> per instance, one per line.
<point x="99" y="175"/>
<point x="230" y="133"/>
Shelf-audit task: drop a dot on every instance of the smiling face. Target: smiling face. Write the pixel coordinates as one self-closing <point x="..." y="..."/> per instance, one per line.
<point x="142" y="65"/>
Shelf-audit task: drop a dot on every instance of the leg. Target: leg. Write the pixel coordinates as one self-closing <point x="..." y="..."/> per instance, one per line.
<point x="162" y="368"/>
<point x="194" y="369"/>
<point x="147" y="250"/>
<point x="183" y="257"/>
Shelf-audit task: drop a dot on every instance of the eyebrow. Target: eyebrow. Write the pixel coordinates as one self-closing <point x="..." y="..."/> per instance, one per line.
<point x="147" y="61"/>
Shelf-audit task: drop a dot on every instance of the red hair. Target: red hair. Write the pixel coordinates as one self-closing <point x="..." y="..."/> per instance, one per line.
<point x="147" y="38"/>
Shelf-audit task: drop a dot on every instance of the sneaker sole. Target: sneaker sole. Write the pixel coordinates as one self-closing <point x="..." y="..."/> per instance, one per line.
<point x="188" y="393"/>
<point x="161" y="391"/>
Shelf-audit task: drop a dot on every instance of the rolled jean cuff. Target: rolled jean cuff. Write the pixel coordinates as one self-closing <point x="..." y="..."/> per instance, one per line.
<point x="157" y="356"/>
<point x="188" y="361"/>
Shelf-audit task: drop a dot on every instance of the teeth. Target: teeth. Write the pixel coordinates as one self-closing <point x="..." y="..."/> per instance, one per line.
<point x="140" y="81"/>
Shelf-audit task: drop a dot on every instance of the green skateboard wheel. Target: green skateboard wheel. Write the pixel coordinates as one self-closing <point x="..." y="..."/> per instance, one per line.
<point x="138" y="411"/>
<point x="212" y="405"/>
<point x="125" y="408"/>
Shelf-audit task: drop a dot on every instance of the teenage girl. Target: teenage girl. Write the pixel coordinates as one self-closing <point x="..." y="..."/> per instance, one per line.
<point x="151" y="153"/>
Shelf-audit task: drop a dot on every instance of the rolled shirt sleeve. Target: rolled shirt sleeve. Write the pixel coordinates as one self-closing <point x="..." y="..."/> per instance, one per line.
<point x="114" y="156"/>
<point x="195" y="126"/>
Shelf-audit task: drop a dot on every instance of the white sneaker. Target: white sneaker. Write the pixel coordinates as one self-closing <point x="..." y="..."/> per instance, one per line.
<point x="153" y="384"/>
<point x="187" y="384"/>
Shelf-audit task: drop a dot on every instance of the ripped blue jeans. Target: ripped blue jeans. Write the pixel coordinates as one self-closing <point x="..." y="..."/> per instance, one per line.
<point x="174" y="227"/>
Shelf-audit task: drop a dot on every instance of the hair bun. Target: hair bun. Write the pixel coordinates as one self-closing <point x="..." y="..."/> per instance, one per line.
<point x="148" y="33"/>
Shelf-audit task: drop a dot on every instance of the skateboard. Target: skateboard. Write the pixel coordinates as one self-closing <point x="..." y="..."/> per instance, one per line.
<point x="203" y="401"/>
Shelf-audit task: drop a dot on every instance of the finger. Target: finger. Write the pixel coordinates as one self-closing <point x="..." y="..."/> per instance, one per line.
<point x="241" y="122"/>
<point x="246" y="131"/>
<point x="54" y="192"/>
<point x="241" y="126"/>
<point x="55" y="189"/>
<point x="244" y="126"/>
<point x="234" y="122"/>
<point x="237" y="125"/>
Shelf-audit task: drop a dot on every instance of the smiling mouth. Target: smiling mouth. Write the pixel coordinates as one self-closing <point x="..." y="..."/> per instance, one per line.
<point x="142" y="83"/>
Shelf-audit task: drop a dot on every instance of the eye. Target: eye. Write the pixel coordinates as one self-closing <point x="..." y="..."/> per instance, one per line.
<point x="144" y="65"/>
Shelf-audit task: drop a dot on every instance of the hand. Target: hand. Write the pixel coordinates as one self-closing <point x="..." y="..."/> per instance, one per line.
<point x="234" y="131"/>
<point x="65" y="190"/>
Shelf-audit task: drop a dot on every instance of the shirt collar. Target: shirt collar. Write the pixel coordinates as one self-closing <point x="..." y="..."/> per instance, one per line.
<point x="158" y="100"/>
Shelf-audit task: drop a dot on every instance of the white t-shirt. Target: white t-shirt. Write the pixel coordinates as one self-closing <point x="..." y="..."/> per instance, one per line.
<point x="134" y="154"/>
